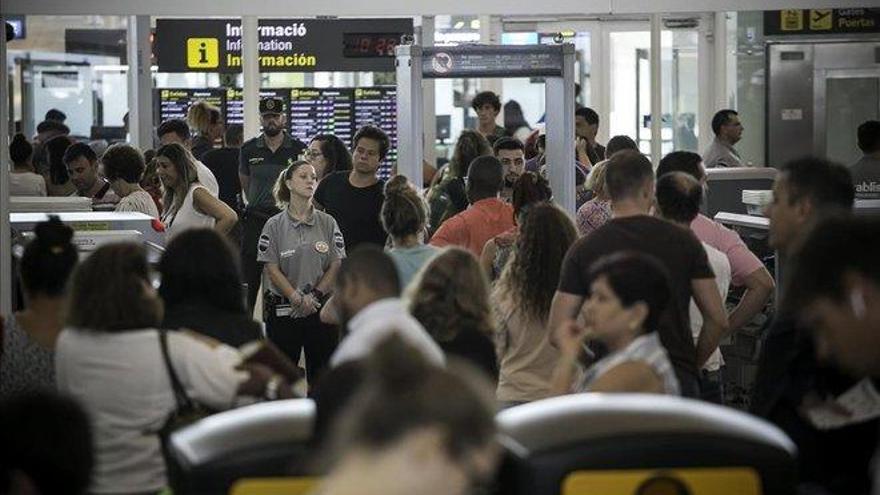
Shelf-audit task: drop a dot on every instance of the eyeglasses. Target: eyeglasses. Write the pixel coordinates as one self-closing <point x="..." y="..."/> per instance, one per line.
<point x="313" y="154"/>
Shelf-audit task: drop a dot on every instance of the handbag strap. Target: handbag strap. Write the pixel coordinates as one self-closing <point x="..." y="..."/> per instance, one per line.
<point x="180" y="397"/>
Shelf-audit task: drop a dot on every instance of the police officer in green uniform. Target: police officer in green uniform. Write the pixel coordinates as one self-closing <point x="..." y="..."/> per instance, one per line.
<point x="302" y="249"/>
<point x="260" y="162"/>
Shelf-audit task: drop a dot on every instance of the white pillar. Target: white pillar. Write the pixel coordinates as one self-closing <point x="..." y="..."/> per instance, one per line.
<point x="656" y="89"/>
<point x="707" y="69"/>
<point x="5" y="238"/>
<point x="140" y="82"/>
<point x="490" y="34"/>
<point x="429" y="120"/>
<point x="720" y="76"/>
<point x="250" y="66"/>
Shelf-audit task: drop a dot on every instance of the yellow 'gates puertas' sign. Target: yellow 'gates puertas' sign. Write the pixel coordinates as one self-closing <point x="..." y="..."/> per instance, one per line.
<point x="285" y="45"/>
<point x="821" y="21"/>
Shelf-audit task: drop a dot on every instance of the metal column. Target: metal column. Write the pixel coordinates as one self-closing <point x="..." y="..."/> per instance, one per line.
<point x="560" y="132"/>
<point x="250" y="68"/>
<point x="140" y="82"/>
<point x="429" y="120"/>
<point x="656" y="91"/>
<point x="410" y="152"/>
<point x="5" y="238"/>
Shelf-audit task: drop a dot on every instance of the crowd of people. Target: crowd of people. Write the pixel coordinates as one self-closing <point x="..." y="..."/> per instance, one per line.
<point x="418" y="314"/>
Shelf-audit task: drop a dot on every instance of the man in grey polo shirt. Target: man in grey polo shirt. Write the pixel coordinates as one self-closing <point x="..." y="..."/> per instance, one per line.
<point x="728" y="131"/>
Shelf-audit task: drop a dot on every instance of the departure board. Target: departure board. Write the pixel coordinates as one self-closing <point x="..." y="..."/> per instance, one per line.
<point x="173" y="103"/>
<point x="316" y="111"/>
<point x="378" y="106"/>
<point x="234" y="112"/>
<point x="310" y="111"/>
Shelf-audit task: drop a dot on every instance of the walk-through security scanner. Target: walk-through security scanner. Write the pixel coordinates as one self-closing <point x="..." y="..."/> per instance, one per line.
<point x="555" y="63"/>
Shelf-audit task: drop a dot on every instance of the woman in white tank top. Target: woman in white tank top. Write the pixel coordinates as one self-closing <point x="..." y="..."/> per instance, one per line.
<point x="628" y="294"/>
<point x="188" y="204"/>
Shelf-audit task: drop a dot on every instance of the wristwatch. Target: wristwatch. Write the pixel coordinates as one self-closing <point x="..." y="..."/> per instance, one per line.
<point x="271" y="392"/>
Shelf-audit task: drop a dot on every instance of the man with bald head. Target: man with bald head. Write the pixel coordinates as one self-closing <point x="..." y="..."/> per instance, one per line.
<point x="678" y="198"/>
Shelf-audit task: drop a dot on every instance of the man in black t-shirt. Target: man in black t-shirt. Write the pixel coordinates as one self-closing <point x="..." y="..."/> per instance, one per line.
<point x="354" y="198"/>
<point x="630" y="182"/>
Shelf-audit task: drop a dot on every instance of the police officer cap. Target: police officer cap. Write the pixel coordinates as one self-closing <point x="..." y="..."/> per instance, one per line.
<point x="271" y="105"/>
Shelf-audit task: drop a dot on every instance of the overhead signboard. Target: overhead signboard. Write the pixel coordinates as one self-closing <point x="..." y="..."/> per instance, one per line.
<point x="310" y="111"/>
<point x="285" y="45"/>
<point x="492" y="61"/>
<point x="821" y="21"/>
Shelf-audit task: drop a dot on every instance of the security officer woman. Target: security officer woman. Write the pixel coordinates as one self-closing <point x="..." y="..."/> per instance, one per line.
<point x="302" y="249"/>
<point x="260" y="162"/>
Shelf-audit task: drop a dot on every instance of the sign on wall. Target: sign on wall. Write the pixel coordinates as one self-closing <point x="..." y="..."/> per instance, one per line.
<point x="821" y="21"/>
<point x="286" y="45"/>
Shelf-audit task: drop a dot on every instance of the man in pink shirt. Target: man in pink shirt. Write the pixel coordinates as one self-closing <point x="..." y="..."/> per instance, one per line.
<point x="487" y="215"/>
<point x="746" y="269"/>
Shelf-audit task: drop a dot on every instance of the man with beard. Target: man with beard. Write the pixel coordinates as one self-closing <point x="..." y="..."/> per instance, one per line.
<point x="354" y="197"/>
<point x="260" y="162"/>
<point x="368" y="304"/>
<point x="82" y="166"/>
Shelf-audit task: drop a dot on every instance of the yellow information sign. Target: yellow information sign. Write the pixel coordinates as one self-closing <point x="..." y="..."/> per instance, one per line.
<point x="791" y="20"/>
<point x="202" y="53"/>
<point x="820" y="20"/>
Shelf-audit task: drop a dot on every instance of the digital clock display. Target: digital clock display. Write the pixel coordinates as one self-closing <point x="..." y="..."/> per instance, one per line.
<point x="370" y="44"/>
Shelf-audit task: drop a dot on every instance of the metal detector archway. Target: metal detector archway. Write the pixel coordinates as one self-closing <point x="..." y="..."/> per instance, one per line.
<point x="553" y="62"/>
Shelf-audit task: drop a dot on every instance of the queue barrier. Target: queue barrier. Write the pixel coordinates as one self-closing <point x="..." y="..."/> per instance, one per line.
<point x="640" y="444"/>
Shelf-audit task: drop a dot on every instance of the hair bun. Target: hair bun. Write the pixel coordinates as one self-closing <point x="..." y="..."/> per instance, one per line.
<point x="397" y="185"/>
<point x="54" y="234"/>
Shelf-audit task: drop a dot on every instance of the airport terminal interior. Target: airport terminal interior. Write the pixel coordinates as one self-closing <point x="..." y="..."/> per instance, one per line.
<point x="610" y="247"/>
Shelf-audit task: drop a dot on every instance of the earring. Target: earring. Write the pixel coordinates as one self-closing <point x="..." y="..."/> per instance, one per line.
<point x="857" y="303"/>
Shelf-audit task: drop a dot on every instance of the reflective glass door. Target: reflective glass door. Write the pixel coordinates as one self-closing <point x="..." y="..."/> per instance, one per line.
<point x="850" y="99"/>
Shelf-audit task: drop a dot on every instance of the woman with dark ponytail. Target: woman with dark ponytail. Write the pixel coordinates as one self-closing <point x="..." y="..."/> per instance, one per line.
<point x="413" y="428"/>
<point x="26" y="363"/>
<point x="404" y="217"/>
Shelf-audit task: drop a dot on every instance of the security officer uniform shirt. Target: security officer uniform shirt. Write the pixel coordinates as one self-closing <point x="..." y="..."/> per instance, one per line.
<point x="302" y="250"/>
<point x="263" y="167"/>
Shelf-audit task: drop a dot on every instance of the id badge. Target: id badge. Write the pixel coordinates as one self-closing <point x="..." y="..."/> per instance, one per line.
<point x="282" y="310"/>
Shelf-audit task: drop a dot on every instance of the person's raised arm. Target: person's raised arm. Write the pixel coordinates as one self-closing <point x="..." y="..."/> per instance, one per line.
<point x="564" y="307"/>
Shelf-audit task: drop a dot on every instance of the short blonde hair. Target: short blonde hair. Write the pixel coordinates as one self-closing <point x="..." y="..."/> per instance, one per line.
<point x="596" y="179"/>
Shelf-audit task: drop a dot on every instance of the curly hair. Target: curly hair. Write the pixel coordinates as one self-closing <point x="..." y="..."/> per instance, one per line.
<point x="470" y="145"/>
<point x="530" y="278"/>
<point x="451" y="294"/>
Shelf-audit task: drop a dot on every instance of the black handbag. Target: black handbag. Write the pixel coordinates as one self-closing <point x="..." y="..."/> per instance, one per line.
<point x="185" y="413"/>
